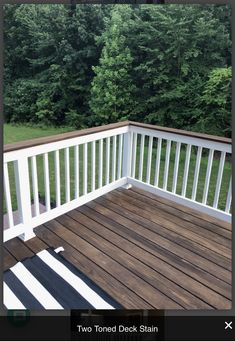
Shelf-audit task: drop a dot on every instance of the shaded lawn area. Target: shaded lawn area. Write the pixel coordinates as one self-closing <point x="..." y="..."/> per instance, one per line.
<point x="19" y="133"/>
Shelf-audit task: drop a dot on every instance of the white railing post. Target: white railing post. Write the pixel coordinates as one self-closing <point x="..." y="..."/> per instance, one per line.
<point x="127" y="157"/>
<point x="23" y="196"/>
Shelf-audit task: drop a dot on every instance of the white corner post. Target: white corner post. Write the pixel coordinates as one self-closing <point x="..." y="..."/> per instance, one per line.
<point x="127" y="157"/>
<point x="23" y="196"/>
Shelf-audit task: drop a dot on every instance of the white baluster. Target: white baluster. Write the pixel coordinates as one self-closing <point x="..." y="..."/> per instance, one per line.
<point x="141" y="157"/>
<point x="158" y="160"/>
<point x="107" y="159"/>
<point x="186" y="169"/>
<point x="100" y="163"/>
<point x="35" y="185"/>
<point x="21" y="171"/>
<point x="196" y="173"/>
<point x="219" y="179"/>
<point x="84" y="168"/>
<point x="176" y="167"/>
<point x="229" y="197"/>
<point x="149" y="162"/>
<point x="114" y="158"/>
<point x="120" y="156"/>
<point x="167" y="160"/>
<point x="57" y="177"/>
<point x="93" y="165"/>
<point x="134" y="155"/>
<point x="8" y="195"/>
<point x="208" y="175"/>
<point x="46" y="181"/>
<point x="67" y="174"/>
<point x="127" y="156"/>
<point x="76" y="170"/>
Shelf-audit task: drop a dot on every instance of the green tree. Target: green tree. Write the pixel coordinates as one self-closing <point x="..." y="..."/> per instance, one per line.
<point x="217" y="99"/>
<point x="112" y="88"/>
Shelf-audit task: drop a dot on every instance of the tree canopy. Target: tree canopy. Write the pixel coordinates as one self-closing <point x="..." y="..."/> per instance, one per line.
<point x="88" y="65"/>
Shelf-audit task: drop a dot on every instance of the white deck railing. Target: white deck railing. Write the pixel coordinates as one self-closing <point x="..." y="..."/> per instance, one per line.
<point x="68" y="170"/>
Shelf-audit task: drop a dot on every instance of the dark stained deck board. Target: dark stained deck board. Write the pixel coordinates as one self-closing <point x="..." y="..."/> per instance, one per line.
<point x="199" y="216"/>
<point x="213" y="231"/>
<point x="145" y="251"/>
<point x="8" y="260"/>
<point x="165" y="255"/>
<point x="186" y="229"/>
<point x="106" y="281"/>
<point x="156" y="272"/>
<point x="36" y="245"/>
<point x="187" y="252"/>
<point x="128" y="277"/>
<point x="150" y="221"/>
<point x="18" y="249"/>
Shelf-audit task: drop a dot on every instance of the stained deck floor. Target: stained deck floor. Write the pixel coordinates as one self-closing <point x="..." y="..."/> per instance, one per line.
<point x="145" y="251"/>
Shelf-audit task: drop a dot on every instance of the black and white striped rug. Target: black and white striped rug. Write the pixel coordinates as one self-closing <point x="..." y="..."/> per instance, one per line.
<point x="48" y="281"/>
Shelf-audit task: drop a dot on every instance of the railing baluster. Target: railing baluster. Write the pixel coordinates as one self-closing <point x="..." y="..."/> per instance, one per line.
<point x="67" y="174"/>
<point x="100" y="163"/>
<point x="141" y="157"/>
<point x="196" y="173"/>
<point x="166" y="168"/>
<point x="229" y="197"/>
<point x="208" y="175"/>
<point x="76" y="170"/>
<point x="219" y="179"/>
<point x="107" y="159"/>
<point x="21" y="170"/>
<point x="46" y="181"/>
<point x="149" y="163"/>
<point x="57" y="177"/>
<point x="134" y="155"/>
<point x="114" y="158"/>
<point x="186" y="169"/>
<point x="120" y="156"/>
<point x="84" y="168"/>
<point x="158" y="160"/>
<point x="35" y="185"/>
<point x="93" y="146"/>
<point x="8" y="195"/>
<point x="176" y="167"/>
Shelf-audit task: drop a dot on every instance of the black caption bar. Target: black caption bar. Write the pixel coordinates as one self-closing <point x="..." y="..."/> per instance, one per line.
<point x="116" y="325"/>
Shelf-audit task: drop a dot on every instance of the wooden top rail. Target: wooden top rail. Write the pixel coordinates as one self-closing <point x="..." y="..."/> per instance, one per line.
<point x="215" y="138"/>
<point x="88" y="131"/>
<point x="60" y="137"/>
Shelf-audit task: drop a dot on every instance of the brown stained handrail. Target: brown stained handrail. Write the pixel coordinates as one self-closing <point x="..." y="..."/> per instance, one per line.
<point x="88" y="131"/>
<point x="59" y="137"/>
<point x="214" y="138"/>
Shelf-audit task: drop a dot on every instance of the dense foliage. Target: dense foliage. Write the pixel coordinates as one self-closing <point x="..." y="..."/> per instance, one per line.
<point x="94" y="64"/>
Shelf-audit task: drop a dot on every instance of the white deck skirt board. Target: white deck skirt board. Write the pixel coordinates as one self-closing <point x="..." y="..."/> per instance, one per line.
<point x="35" y="287"/>
<point x="180" y="200"/>
<point x="78" y="284"/>
<point x="10" y="300"/>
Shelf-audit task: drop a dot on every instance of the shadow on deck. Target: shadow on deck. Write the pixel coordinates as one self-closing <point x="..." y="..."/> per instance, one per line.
<point x="145" y="251"/>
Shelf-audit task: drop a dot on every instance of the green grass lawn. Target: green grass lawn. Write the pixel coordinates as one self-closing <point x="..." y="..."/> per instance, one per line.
<point x="19" y="133"/>
<point x="13" y="133"/>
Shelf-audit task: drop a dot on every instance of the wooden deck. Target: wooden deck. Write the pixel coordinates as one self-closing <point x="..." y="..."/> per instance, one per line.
<point x="145" y="251"/>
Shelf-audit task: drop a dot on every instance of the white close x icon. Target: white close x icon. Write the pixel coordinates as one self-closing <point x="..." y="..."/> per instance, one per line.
<point x="228" y="325"/>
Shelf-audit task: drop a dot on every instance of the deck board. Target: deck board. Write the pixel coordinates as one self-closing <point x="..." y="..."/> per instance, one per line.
<point x="145" y="251"/>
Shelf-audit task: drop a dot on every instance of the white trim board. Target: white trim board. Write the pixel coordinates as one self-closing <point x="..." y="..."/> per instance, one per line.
<point x="181" y="200"/>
